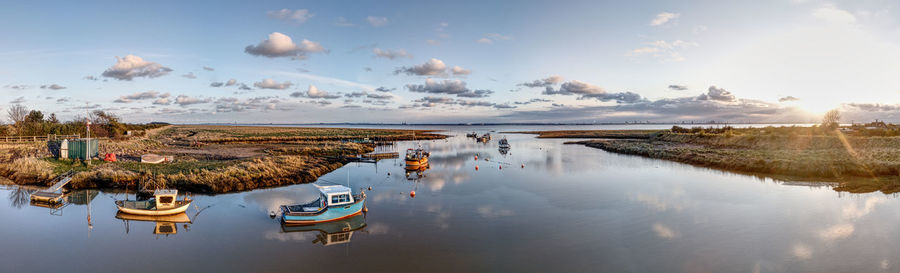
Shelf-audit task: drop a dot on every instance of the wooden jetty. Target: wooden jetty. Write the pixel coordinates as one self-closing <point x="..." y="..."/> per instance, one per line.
<point x="52" y="194"/>
<point x="373" y="157"/>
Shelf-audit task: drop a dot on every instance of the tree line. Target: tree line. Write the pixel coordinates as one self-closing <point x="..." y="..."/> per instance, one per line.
<point x="25" y="122"/>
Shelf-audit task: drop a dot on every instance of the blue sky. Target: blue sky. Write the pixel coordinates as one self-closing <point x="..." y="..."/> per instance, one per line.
<point x="604" y="61"/>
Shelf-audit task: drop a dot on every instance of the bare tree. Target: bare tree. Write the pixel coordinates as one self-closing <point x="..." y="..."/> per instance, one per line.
<point x="832" y="119"/>
<point x="17" y="113"/>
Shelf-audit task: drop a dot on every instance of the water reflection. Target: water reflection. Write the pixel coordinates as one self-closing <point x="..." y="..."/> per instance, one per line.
<point x="164" y="224"/>
<point x="569" y="208"/>
<point x="20" y="196"/>
<point x="330" y="233"/>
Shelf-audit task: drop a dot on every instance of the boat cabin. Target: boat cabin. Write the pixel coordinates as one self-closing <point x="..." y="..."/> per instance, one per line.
<point x="336" y="195"/>
<point x="165" y="199"/>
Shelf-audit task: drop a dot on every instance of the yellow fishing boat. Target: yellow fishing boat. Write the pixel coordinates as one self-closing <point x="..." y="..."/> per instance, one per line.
<point x="416" y="157"/>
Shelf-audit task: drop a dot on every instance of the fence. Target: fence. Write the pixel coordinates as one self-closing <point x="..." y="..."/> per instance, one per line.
<point x="36" y="138"/>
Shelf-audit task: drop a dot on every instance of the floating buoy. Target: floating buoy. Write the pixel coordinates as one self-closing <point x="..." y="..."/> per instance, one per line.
<point x="412" y="194"/>
<point x="272" y="214"/>
<point x="501" y="167"/>
<point x="389" y="173"/>
<point x="523" y="166"/>
<point x="365" y="209"/>
<point x="476" y="167"/>
<point x="476" y="157"/>
<point x="370" y="188"/>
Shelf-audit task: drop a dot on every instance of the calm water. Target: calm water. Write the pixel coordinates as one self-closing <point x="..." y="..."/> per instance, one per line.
<point x="571" y="208"/>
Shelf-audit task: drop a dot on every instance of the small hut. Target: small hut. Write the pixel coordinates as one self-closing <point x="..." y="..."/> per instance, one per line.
<point x="79" y="148"/>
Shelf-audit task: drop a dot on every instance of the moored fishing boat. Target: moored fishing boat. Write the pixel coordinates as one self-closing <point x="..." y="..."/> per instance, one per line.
<point x="335" y="202"/>
<point x="417" y="157"/>
<point x="472" y="134"/>
<point x="164" y="202"/>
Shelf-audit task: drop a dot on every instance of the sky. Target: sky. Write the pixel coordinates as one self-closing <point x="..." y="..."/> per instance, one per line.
<point x="453" y="61"/>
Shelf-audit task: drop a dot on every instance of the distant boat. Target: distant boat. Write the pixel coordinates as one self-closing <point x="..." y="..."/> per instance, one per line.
<point x="504" y="144"/>
<point x="164" y="202"/>
<point x="484" y="138"/>
<point x="335" y="202"/>
<point x="416" y="157"/>
<point x="472" y="134"/>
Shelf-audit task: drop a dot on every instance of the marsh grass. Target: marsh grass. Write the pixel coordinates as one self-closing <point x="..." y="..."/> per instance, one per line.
<point x="247" y="158"/>
<point x="859" y="163"/>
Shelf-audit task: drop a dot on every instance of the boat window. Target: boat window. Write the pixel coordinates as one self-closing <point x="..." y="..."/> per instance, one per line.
<point x="340" y="198"/>
<point x="166" y="199"/>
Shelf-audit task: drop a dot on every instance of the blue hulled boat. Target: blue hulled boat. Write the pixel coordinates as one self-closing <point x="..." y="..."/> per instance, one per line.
<point x="335" y="202"/>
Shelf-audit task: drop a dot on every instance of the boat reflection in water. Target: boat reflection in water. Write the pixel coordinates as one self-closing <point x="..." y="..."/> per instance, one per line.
<point x="331" y="233"/>
<point x="416" y="172"/>
<point x="165" y="224"/>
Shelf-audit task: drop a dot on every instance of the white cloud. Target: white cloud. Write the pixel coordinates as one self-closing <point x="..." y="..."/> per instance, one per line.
<point x="184" y="100"/>
<point x="663" y="18"/>
<point x="832" y="14"/>
<point x="449" y="87"/>
<point x="343" y="22"/>
<point x="299" y="16"/>
<point x="377" y="21"/>
<point x="430" y="68"/>
<point x="313" y="92"/>
<point x="390" y="54"/>
<point x="132" y="66"/>
<point x="272" y="84"/>
<point x="53" y="87"/>
<point x="148" y="95"/>
<point x="663" y="50"/>
<point x="280" y="45"/>
<point x="456" y="70"/>
<point x="490" y="38"/>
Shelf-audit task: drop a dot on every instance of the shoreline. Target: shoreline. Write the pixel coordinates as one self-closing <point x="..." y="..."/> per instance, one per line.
<point x="858" y="164"/>
<point x="209" y="159"/>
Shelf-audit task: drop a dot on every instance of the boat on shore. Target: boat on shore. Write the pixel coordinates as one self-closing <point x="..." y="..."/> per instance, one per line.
<point x="164" y="202"/>
<point x="503" y="143"/>
<point x="417" y="157"/>
<point x="335" y="202"/>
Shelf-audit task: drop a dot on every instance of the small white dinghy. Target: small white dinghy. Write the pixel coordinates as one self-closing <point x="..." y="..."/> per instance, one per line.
<point x="164" y="202"/>
<point x="155" y="159"/>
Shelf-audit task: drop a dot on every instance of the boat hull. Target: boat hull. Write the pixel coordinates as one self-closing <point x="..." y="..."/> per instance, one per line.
<point x="333" y="213"/>
<point x="419" y="162"/>
<point x="172" y="211"/>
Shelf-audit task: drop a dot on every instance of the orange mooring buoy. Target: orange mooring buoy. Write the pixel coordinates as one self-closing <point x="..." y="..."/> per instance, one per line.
<point x="370" y="188"/>
<point x="501" y="167"/>
<point x="412" y="194"/>
<point x="476" y="157"/>
<point x="476" y="167"/>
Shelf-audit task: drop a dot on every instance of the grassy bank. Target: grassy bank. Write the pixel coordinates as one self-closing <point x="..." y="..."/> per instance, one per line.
<point x="210" y="159"/>
<point x="859" y="162"/>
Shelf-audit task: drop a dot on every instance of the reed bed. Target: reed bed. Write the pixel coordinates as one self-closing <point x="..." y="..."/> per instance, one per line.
<point x="859" y="163"/>
<point x="232" y="158"/>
